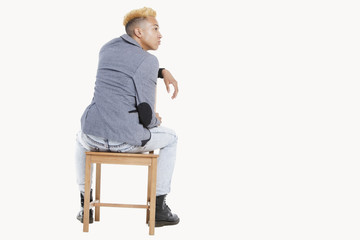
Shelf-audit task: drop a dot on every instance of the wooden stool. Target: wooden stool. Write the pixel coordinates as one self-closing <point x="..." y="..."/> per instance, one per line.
<point x="99" y="158"/>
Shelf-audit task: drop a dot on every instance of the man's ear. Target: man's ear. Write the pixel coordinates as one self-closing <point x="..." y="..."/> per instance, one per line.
<point x="137" y="32"/>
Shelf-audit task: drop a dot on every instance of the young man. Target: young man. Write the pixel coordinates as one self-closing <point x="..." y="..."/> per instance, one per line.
<point x="121" y="116"/>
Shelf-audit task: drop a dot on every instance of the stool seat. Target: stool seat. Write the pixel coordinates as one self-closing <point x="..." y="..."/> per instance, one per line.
<point x="142" y="159"/>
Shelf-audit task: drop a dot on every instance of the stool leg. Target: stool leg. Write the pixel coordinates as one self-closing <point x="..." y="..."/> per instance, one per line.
<point x="153" y="196"/>
<point x="87" y="194"/>
<point x="97" y="191"/>
<point x="148" y="195"/>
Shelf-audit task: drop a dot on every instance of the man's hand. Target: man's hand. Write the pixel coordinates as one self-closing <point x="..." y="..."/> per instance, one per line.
<point x="169" y="79"/>
<point x="158" y="117"/>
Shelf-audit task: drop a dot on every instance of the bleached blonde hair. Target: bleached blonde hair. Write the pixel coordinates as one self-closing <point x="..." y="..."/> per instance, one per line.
<point x="135" y="16"/>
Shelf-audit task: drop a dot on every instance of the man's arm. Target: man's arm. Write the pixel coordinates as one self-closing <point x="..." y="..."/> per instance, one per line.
<point x="168" y="79"/>
<point x="145" y="83"/>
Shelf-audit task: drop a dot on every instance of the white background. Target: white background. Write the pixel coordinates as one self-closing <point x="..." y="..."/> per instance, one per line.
<point x="267" y="117"/>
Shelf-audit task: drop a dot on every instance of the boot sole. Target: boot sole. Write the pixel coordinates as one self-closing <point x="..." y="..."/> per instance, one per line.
<point x="91" y="220"/>
<point x="165" y="223"/>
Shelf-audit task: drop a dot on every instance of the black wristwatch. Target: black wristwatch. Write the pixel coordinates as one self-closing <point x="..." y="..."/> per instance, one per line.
<point x="160" y="75"/>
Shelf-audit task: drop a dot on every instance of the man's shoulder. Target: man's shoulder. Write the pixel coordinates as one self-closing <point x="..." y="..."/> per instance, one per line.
<point x="150" y="59"/>
<point x="122" y="55"/>
<point x="116" y="42"/>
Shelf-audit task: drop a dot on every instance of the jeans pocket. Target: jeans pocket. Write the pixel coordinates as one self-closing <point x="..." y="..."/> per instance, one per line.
<point x="95" y="144"/>
<point x="124" y="147"/>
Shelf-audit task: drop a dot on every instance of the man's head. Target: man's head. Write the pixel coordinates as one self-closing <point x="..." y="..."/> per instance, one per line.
<point x="142" y="26"/>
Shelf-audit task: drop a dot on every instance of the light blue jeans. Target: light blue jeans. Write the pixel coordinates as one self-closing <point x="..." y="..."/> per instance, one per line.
<point x="161" y="138"/>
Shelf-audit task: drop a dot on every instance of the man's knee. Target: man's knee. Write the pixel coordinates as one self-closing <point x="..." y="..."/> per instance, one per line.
<point x="173" y="134"/>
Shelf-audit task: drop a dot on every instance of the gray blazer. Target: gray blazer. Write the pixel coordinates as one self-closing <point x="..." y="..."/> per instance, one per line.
<point x="122" y="108"/>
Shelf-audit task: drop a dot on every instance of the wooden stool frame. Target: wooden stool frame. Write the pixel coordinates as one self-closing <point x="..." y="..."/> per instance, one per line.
<point x="99" y="158"/>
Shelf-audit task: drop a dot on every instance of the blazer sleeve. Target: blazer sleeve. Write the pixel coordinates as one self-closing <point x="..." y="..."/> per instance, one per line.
<point x="145" y="79"/>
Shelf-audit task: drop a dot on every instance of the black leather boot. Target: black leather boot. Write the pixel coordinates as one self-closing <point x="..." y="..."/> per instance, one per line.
<point x="80" y="215"/>
<point x="164" y="216"/>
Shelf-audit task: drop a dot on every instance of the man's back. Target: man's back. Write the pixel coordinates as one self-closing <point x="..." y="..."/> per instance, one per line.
<point x="126" y="77"/>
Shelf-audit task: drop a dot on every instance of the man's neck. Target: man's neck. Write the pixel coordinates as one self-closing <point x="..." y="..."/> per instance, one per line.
<point x="139" y="42"/>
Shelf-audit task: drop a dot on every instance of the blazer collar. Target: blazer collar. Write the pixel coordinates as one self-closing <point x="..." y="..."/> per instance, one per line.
<point x="130" y="40"/>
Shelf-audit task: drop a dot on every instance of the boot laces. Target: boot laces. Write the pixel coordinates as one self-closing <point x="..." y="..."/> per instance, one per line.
<point x="166" y="206"/>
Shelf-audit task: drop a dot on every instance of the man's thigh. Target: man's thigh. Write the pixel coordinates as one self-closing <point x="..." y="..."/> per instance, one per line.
<point x="160" y="138"/>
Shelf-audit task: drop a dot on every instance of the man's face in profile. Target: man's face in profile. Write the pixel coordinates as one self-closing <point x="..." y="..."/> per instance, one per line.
<point x="150" y="38"/>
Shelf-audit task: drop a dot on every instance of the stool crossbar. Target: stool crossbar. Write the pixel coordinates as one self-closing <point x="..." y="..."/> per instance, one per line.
<point x="141" y="159"/>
